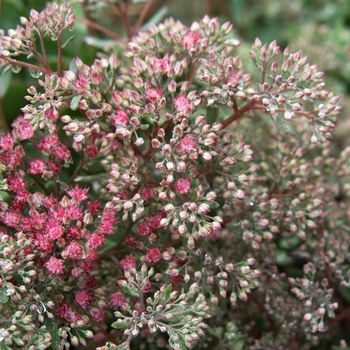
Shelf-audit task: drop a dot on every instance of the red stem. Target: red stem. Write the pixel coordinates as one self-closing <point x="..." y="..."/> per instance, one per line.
<point x="123" y="9"/>
<point x="239" y="112"/>
<point x="142" y="16"/>
<point x="100" y="28"/>
<point x="59" y="54"/>
<point x="24" y="64"/>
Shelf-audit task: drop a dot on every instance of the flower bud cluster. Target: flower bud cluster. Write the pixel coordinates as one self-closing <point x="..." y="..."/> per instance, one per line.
<point x="183" y="312"/>
<point x="177" y="189"/>
<point x="288" y="90"/>
<point x="225" y="78"/>
<point x="181" y="39"/>
<point x="20" y="306"/>
<point x="316" y="298"/>
<point x="43" y="110"/>
<point x="236" y="279"/>
<point x="52" y="21"/>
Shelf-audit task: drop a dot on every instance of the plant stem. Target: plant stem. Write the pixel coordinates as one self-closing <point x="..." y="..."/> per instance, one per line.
<point x="42" y="45"/>
<point x="3" y="122"/>
<point x="40" y="184"/>
<point x="100" y="28"/>
<point x="282" y="110"/>
<point x="59" y="55"/>
<point x="24" y="65"/>
<point x="76" y="171"/>
<point x="239" y="112"/>
<point x="142" y="16"/>
<point x="123" y="9"/>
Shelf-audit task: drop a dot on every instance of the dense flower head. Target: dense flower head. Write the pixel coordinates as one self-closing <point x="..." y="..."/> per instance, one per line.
<point x="141" y="193"/>
<point x="66" y="311"/>
<point x="128" y="263"/>
<point x="83" y="298"/>
<point x="187" y="144"/>
<point x="22" y="130"/>
<point x="54" y="265"/>
<point x="118" y="299"/>
<point x="121" y="117"/>
<point x="182" y="186"/>
<point x="153" y="255"/>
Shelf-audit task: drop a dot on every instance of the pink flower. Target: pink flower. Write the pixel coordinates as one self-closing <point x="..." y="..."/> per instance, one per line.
<point x="95" y="240"/>
<point x="91" y="255"/>
<point x="54" y="265"/>
<point x="62" y="152"/>
<point x="154" y="221"/>
<point x="74" y="232"/>
<point x="22" y="129"/>
<point x="154" y="95"/>
<point x="131" y="240"/>
<point x="6" y="142"/>
<point x="162" y="64"/>
<point x="74" y="251"/>
<point x="42" y="243"/>
<point x="190" y="39"/>
<point x="64" y="310"/>
<point x="78" y="194"/>
<point x="235" y="78"/>
<point x="118" y="299"/>
<point x="12" y="219"/>
<point x="91" y="150"/>
<point x="53" y="166"/>
<point x="187" y="145"/>
<point x="16" y="182"/>
<point x="121" y="117"/>
<point x="37" y="167"/>
<point x="147" y="193"/>
<point x="107" y="222"/>
<point x="51" y="145"/>
<point x="54" y="230"/>
<point x="51" y="114"/>
<point x="153" y="255"/>
<point x="128" y="263"/>
<point x="94" y="207"/>
<point x="183" y="186"/>
<point x="147" y="288"/>
<point x="183" y="104"/>
<point x="144" y="229"/>
<point x="81" y="83"/>
<point x="98" y="314"/>
<point x="176" y="280"/>
<point x="83" y="298"/>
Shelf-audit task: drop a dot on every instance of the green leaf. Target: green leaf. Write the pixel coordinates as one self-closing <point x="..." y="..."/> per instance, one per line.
<point x="5" y="81"/>
<point x="167" y="292"/>
<point x="99" y="43"/>
<point x="56" y="340"/>
<point x="330" y="313"/>
<point x="156" y="18"/>
<point x="283" y="125"/>
<point x="177" y="339"/>
<point x="4" y="68"/>
<point x="70" y="40"/>
<point x="91" y="178"/>
<point x="212" y="114"/>
<point x="75" y="101"/>
<point x="73" y="66"/>
<point x="120" y="324"/>
<point x="214" y="205"/>
<point x="126" y="289"/>
<point x="4" y="298"/>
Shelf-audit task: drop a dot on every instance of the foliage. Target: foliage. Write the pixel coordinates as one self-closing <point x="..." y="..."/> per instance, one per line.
<point x="170" y="189"/>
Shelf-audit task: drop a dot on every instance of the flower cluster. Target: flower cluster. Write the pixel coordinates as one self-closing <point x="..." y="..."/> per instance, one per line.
<point x="140" y="191"/>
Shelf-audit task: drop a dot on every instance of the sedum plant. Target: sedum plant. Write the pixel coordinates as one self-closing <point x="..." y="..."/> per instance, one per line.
<point x="163" y="197"/>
